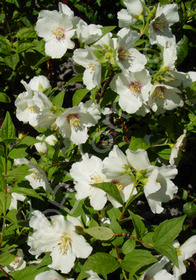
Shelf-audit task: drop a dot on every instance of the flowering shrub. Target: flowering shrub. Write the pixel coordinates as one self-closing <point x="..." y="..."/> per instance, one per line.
<point x="73" y="199"/>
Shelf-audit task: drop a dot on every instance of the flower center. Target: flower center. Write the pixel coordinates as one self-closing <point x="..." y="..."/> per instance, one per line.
<point x="91" y="67"/>
<point x="118" y="185"/>
<point x="73" y="120"/>
<point x="36" y="175"/>
<point x="123" y="54"/>
<point x="160" y="23"/>
<point x="96" y="179"/>
<point x="158" y="92"/>
<point x="64" y="243"/>
<point x="135" y="87"/>
<point x="31" y="108"/>
<point x="59" y="33"/>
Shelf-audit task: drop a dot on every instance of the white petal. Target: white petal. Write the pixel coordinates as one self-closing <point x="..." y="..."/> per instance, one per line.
<point x="138" y="159"/>
<point x="80" y="247"/>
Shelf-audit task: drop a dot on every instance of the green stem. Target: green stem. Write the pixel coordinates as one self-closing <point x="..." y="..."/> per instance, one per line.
<point x="128" y="201"/>
<point x="119" y="260"/>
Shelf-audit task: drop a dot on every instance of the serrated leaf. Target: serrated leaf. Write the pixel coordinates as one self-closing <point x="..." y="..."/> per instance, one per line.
<point x="137" y="259"/>
<point x="8" y="128"/>
<point x="168" y="250"/>
<point x="101" y="263"/>
<point x="138" y="225"/>
<point x="138" y="143"/>
<point x="79" y="95"/>
<point x="4" y="98"/>
<point x="58" y="99"/>
<point x="5" y="47"/>
<point x="110" y="189"/>
<point x="100" y="233"/>
<point x="168" y="230"/>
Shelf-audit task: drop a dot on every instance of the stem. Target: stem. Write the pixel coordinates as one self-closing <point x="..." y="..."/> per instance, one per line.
<point x="127" y="203"/>
<point x="5" y="196"/>
<point x="106" y="84"/>
<point x="127" y="235"/>
<point x="119" y="259"/>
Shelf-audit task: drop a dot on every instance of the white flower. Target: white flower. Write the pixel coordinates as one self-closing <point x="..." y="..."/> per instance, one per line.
<point x="58" y="237"/>
<point x="87" y="59"/>
<point x="74" y="122"/>
<point x="85" y="173"/>
<point x="160" y="31"/>
<point x="88" y="33"/>
<point x="39" y="83"/>
<point x="42" y="146"/>
<point x="177" y="149"/>
<point x="191" y="77"/>
<point x="164" y="97"/>
<point x="133" y="89"/>
<point x="184" y="252"/>
<point x="37" y="178"/>
<point x="14" y="198"/>
<point x="129" y="58"/>
<point x="17" y="264"/>
<point x="127" y="17"/>
<point x="57" y="30"/>
<point x="34" y="107"/>
<point x="49" y="275"/>
<point x="159" y="187"/>
<point x="64" y="9"/>
<point x="156" y="271"/>
<point x="93" y="275"/>
<point x="134" y="7"/>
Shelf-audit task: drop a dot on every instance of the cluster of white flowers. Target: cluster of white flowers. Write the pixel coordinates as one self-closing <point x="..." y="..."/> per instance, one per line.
<point x="138" y="93"/>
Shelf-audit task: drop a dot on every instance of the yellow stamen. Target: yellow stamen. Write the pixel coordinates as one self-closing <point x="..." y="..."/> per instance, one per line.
<point x="92" y="67"/>
<point x="31" y="108"/>
<point x="123" y="54"/>
<point x="135" y="88"/>
<point x="158" y="92"/>
<point x="64" y="243"/>
<point x="96" y="179"/>
<point x="58" y="33"/>
<point x="119" y="186"/>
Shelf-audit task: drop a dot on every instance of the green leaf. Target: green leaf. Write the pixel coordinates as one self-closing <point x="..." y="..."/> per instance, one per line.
<point x="7" y="129"/>
<point x="18" y="152"/>
<point x="100" y="233"/>
<point x="138" y="225"/>
<point x="110" y="189"/>
<point x="7" y="254"/>
<point x="58" y="99"/>
<point x="168" y="250"/>
<point x="128" y="246"/>
<point x="138" y="143"/>
<point x="4" y="98"/>
<point x="77" y="78"/>
<point x="165" y="153"/>
<point x="79" y="95"/>
<point x="137" y="259"/>
<point x="189" y="209"/>
<point x="182" y="49"/>
<point x="101" y="263"/>
<point x="28" y="140"/>
<point x="26" y="191"/>
<point x="107" y="29"/>
<point x="26" y="33"/>
<point x="12" y="60"/>
<point x="5" y="46"/>
<point x="168" y="230"/>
